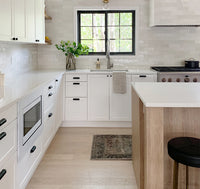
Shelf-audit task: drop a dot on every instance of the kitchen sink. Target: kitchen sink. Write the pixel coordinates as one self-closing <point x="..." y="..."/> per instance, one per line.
<point x="107" y="70"/>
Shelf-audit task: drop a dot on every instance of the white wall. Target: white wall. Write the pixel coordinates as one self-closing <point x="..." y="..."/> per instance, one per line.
<point x="17" y="58"/>
<point x="155" y="46"/>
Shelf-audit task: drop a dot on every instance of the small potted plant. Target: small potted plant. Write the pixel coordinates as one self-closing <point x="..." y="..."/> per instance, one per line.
<point x="72" y="50"/>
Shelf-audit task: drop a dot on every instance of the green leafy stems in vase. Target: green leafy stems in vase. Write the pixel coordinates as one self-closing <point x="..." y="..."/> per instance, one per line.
<point x="71" y="49"/>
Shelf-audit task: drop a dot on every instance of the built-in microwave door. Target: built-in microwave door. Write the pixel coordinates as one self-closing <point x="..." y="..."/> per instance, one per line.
<point x="32" y="118"/>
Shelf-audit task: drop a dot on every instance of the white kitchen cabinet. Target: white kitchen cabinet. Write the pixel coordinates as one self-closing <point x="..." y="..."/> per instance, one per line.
<point x="6" y="20"/>
<point x="39" y="21"/>
<point x="30" y="20"/>
<point x="22" y="21"/>
<point x="120" y="104"/>
<point x="176" y="12"/>
<point x="98" y="97"/>
<point x="76" y="109"/>
<point x="19" y="18"/>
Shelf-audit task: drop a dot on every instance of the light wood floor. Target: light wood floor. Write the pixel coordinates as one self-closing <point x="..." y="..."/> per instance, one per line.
<point x="67" y="164"/>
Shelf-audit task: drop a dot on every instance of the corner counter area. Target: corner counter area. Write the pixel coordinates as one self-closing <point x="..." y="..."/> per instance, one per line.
<point x="161" y="112"/>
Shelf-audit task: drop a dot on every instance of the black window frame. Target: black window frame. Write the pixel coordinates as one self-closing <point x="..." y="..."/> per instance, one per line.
<point x="79" y="12"/>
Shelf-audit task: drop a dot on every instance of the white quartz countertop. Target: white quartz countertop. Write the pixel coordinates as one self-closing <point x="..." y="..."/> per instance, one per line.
<point x="22" y="85"/>
<point x="168" y="94"/>
<point x="102" y="71"/>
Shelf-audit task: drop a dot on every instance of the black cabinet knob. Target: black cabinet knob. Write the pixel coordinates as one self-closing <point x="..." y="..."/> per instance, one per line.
<point x="13" y="38"/>
<point x="50" y="87"/>
<point x="3" y="121"/>
<point x="2" y="173"/>
<point x="56" y="80"/>
<point x="50" y="94"/>
<point x="33" y="149"/>
<point x="16" y="38"/>
<point x="50" y="115"/>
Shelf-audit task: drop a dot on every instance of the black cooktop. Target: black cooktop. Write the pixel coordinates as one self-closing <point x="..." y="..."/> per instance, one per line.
<point x="174" y="69"/>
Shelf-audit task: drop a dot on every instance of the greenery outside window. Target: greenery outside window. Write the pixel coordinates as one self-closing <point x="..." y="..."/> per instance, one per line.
<point x="96" y="28"/>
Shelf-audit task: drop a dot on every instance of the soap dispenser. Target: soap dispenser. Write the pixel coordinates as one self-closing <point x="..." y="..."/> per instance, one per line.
<point x="98" y="64"/>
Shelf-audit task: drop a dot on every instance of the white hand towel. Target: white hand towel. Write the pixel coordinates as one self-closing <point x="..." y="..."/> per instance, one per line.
<point x="119" y="82"/>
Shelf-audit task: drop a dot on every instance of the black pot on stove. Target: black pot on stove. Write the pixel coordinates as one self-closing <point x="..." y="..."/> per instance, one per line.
<point x="192" y="63"/>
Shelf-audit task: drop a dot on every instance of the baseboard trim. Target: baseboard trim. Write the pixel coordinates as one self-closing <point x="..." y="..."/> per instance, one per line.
<point x="96" y="124"/>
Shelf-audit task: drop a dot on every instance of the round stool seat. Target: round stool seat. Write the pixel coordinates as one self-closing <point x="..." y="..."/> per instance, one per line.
<point x="185" y="150"/>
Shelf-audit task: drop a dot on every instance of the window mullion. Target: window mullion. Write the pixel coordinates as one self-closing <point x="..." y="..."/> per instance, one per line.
<point x="106" y="31"/>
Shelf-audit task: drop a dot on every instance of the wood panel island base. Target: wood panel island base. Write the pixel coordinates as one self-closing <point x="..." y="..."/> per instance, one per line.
<point x="161" y="112"/>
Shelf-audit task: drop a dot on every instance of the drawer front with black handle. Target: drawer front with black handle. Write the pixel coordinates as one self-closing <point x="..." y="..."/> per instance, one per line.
<point x="7" y="173"/>
<point x="76" y="89"/>
<point x="76" y="77"/>
<point x="8" y="139"/>
<point x="7" y="116"/>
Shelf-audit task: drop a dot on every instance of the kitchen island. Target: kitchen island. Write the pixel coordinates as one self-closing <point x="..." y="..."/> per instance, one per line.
<point x="161" y="111"/>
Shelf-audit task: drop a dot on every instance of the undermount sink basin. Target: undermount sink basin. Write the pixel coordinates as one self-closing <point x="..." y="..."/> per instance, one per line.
<point x="108" y="70"/>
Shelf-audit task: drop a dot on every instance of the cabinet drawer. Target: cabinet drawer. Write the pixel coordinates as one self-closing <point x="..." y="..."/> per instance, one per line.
<point x="8" y="139"/>
<point x="76" y="109"/>
<point x="8" y="116"/>
<point x="27" y="163"/>
<point x="144" y="78"/>
<point x="49" y="126"/>
<point x="76" y="89"/>
<point x="76" y="77"/>
<point x="7" y="170"/>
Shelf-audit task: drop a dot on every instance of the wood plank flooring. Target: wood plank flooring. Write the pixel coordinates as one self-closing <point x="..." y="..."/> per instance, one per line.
<point x="67" y="164"/>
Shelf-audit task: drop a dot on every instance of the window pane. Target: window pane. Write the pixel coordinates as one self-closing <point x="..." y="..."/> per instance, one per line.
<point x="125" y="45"/>
<point x="88" y="43"/>
<point x="86" y="20"/>
<point x="98" y="32"/>
<point x="113" y="32"/>
<point x="98" y="19"/>
<point x="99" y="45"/>
<point x="125" y="32"/>
<point x="114" y="45"/>
<point x="113" y="19"/>
<point x="86" y="32"/>
<point x="126" y="19"/>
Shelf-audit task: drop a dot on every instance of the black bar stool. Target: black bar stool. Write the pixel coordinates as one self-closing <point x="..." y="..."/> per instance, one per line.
<point x="185" y="150"/>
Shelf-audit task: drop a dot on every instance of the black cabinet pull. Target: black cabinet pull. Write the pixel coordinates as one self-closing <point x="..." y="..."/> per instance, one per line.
<point x="76" y="99"/>
<point x="50" y="94"/>
<point x="37" y="40"/>
<point x="3" y="121"/>
<point x="56" y="80"/>
<point x="2" y="173"/>
<point x="33" y="149"/>
<point x="142" y="76"/>
<point x="76" y="83"/>
<point x="50" y="115"/>
<point x="76" y="77"/>
<point x="50" y="87"/>
<point x="2" y="135"/>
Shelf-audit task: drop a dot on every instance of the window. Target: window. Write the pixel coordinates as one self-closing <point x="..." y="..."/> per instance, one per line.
<point x="101" y="30"/>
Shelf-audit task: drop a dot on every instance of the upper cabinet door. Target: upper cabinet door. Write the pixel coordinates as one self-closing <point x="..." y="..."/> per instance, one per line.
<point x="20" y="20"/>
<point x="30" y="20"/>
<point x="6" y="20"/>
<point x="39" y="24"/>
<point x="176" y="12"/>
<point x="120" y="104"/>
<point x="98" y="97"/>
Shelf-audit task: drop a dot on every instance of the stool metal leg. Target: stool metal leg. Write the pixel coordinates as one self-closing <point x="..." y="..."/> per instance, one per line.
<point x="175" y="176"/>
<point x="187" y="178"/>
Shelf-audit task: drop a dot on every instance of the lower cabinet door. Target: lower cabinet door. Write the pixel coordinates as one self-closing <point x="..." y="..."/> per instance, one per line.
<point x="76" y="109"/>
<point x="120" y="104"/>
<point x="7" y="173"/>
<point x="98" y="97"/>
